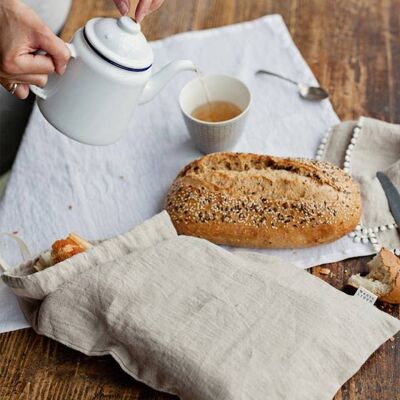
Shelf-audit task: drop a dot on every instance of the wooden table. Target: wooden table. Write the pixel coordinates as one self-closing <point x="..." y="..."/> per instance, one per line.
<point x="353" y="47"/>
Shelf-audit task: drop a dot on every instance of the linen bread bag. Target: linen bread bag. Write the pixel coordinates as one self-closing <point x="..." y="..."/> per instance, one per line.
<point x="189" y="318"/>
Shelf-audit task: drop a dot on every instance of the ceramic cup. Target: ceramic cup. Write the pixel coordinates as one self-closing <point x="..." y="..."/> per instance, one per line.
<point x="211" y="137"/>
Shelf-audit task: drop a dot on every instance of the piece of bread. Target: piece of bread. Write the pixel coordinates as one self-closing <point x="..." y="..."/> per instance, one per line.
<point x="252" y="200"/>
<point x="62" y="250"/>
<point x="383" y="279"/>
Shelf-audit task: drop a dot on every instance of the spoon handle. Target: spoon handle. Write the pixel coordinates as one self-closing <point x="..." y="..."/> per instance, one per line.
<point x="263" y="71"/>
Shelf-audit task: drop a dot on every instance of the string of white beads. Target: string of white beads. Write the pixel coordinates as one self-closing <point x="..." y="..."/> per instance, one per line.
<point x="350" y="147"/>
<point x="368" y="235"/>
<point x="322" y="146"/>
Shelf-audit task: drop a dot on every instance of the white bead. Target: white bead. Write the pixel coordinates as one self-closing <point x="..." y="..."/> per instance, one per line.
<point x="346" y="164"/>
<point x="352" y="234"/>
<point x="357" y="130"/>
<point x="370" y="231"/>
<point x="353" y="141"/>
<point x="324" y="140"/>
<point x="372" y="235"/>
<point x="373" y="240"/>
<point x="360" y="122"/>
<point x="318" y="158"/>
<point x="320" y="152"/>
<point x="391" y="226"/>
<point x="358" y="228"/>
<point x="351" y="146"/>
<point x="356" y="134"/>
<point x="347" y="158"/>
<point x="397" y="252"/>
<point x="382" y="228"/>
<point x="346" y="170"/>
<point x="377" y="247"/>
<point x="357" y="239"/>
<point x="364" y="240"/>
<point x="376" y="229"/>
<point x="348" y="152"/>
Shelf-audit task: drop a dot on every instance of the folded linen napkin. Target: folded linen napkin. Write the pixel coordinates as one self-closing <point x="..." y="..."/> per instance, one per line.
<point x="363" y="148"/>
<point x="190" y="318"/>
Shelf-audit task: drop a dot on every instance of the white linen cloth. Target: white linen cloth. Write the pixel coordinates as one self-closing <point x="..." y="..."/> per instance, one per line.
<point x="58" y="185"/>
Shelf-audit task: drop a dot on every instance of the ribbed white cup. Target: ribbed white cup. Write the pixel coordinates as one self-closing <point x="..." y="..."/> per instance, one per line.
<point x="211" y="137"/>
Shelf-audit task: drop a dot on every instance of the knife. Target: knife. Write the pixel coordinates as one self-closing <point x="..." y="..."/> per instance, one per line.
<point x="392" y="195"/>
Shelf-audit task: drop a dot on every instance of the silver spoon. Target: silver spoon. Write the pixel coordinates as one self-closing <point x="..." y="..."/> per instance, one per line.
<point x="306" y="92"/>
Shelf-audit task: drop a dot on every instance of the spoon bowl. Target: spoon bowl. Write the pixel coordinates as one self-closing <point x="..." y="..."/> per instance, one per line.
<point x="313" y="93"/>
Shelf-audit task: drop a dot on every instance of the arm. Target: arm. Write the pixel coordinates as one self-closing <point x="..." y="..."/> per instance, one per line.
<point x="22" y="33"/>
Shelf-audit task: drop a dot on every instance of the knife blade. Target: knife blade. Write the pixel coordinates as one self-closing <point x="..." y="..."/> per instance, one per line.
<point x="392" y="195"/>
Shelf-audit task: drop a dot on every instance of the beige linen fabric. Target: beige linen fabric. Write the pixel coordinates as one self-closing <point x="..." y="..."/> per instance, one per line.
<point x="187" y="317"/>
<point x="377" y="149"/>
<point x="32" y="287"/>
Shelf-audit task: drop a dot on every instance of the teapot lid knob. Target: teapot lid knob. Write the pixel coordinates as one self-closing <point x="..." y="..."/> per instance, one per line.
<point x="129" y="25"/>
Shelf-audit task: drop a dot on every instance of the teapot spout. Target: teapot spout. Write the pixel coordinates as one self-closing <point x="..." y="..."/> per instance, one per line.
<point x="163" y="76"/>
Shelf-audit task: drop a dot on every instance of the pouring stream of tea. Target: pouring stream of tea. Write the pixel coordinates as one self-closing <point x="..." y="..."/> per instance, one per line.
<point x="204" y="85"/>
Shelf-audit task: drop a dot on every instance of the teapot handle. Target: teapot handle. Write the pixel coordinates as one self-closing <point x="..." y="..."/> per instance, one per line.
<point x="42" y="92"/>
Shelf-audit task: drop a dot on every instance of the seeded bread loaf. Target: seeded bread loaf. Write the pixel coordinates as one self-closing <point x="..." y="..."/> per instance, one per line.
<point x="251" y="200"/>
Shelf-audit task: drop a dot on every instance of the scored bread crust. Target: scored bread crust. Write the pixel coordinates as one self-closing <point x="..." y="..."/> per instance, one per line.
<point x="252" y="200"/>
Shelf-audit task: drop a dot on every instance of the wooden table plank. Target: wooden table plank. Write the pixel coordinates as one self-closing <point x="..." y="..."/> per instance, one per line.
<point x="353" y="47"/>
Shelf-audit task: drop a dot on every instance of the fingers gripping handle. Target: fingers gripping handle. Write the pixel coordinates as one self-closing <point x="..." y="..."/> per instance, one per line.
<point x="42" y="92"/>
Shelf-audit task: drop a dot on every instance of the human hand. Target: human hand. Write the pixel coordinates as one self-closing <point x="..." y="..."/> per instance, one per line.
<point x="143" y="8"/>
<point x="22" y="33"/>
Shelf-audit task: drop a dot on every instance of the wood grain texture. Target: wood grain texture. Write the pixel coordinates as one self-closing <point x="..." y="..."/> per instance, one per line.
<point x="353" y="47"/>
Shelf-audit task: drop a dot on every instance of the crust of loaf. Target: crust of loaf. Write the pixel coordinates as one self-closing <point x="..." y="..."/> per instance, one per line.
<point x="251" y="200"/>
<point x="392" y="264"/>
<point x="383" y="278"/>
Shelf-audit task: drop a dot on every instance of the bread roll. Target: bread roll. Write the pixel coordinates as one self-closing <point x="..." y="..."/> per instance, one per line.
<point x="261" y="201"/>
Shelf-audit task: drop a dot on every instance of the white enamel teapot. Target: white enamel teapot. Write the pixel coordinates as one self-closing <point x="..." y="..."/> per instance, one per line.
<point x="109" y="73"/>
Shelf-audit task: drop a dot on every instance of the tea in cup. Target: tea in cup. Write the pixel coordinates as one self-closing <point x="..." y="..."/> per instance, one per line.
<point x="215" y="109"/>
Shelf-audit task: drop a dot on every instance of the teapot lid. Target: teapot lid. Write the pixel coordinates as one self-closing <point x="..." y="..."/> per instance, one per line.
<point x="120" y="42"/>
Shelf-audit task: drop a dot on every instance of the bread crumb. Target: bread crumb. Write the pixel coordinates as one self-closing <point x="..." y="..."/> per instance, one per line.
<point x="121" y="177"/>
<point x="324" y="271"/>
<point x="70" y="207"/>
<point x="391" y="339"/>
<point x="15" y="233"/>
